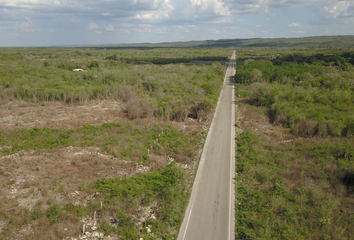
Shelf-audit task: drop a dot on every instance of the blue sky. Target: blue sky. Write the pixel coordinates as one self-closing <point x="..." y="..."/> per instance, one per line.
<point x="66" y="22"/>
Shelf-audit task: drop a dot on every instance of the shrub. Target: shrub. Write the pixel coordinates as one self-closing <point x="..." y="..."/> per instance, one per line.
<point x="140" y="108"/>
<point x="321" y="129"/>
<point x="350" y="127"/>
<point x="348" y="179"/>
<point x="305" y="128"/>
<point x="284" y="113"/>
<point x="54" y="213"/>
<point x="93" y="65"/>
<point x="335" y="128"/>
<point x="202" y="110"/>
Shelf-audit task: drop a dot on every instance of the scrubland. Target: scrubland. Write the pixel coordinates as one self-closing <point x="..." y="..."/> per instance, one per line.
<point x="110" y="150"/>
<point x="295" y="155"/>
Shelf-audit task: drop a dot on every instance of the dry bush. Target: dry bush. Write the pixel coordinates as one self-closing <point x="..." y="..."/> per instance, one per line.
<point x="321" y="130"/>
<point x="139" y="108"/>
<point x="179" y="115"/>
<point x="280" y="119"/>
<point x="305" y="128"/>
<point x="181" y="158"/>
<point x="126" y="93"/>
<point x="202" y="111"/>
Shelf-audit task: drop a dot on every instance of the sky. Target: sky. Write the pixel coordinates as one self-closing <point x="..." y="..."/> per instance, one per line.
<point x="72" y="22"/>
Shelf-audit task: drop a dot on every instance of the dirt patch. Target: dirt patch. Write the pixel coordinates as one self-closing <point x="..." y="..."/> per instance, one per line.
<point x="250" y="119"/>
<point x="20" y="114"/>
<point x="29" y="177"/>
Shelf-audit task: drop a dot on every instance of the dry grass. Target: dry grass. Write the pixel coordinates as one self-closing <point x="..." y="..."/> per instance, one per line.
<point x="305" y="128"/>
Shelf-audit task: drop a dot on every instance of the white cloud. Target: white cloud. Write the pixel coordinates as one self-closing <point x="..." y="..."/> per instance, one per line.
<point x="92" y="26"/>
<point x="211" y="6"/>
<point x="124" y="30"/>
<point x="27" y="23"/>
<point x="291" y="3"/>
<point x="334" y="12"/>
<point x="165" y="17"/>
<point x="294" y="24"/>
<point x="109" y="28"/>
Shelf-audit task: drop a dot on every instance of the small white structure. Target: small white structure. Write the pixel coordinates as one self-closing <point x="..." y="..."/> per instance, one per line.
<point x="78" y="70"/>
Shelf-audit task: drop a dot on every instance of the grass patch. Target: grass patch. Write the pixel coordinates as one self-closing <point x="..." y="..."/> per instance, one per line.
<point x="165" y="187"/>
<point x="123" y="140"/>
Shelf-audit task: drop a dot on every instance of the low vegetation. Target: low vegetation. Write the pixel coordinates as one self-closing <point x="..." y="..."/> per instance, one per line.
<point x="148" y="156"/>
<point x="298" y="191"/>
<point x="312" y="95"/>
<point x="301" y="188"/>
<point x="166" y="189"/>
<point x="123" y="140"/>
<point x="168" y="91"/>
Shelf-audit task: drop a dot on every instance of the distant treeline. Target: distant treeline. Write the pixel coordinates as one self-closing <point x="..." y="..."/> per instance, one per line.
<point x="166" y="60"/>
<point x="305" y="42"/>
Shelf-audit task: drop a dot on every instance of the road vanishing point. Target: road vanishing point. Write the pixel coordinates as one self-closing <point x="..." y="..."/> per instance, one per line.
<point x="210" y="214"/>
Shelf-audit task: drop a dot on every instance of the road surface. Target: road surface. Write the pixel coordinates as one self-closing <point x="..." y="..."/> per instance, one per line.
<point x="210" y="212"/>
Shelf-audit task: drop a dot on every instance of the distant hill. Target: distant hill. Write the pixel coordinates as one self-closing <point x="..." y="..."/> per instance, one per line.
<point x="305" y="42"/>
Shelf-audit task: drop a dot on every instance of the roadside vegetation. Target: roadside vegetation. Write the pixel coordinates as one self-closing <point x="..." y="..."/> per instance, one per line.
<point x="161" y="90"/>
<point x="302" y="187"/>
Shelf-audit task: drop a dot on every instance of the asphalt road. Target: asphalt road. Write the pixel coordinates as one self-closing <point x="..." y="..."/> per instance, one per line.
<point x="210" y="212"/>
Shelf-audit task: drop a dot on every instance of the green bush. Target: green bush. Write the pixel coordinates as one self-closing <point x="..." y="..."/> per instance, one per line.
<point x="93" y="65"/>
<point x="54" y="213"/>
